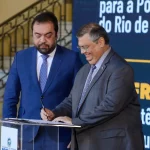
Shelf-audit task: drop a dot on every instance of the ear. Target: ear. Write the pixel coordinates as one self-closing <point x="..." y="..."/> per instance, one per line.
<point x="101" y="42"/>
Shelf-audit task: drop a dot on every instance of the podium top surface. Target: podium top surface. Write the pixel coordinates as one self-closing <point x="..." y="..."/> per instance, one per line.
<point x="20" y="121"/>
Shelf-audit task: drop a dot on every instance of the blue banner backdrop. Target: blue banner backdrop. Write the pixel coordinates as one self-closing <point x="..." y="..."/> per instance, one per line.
<point x="127" y="22"/>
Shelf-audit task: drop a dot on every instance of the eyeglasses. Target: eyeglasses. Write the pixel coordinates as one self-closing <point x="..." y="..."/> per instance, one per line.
<point x="86" y="47"/>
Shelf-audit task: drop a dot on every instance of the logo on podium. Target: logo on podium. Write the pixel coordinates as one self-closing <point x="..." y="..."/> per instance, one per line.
<point x="9" y="142"/>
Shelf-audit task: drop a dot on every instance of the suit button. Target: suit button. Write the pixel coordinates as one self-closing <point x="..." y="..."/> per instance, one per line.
<point x="42" y="97"/>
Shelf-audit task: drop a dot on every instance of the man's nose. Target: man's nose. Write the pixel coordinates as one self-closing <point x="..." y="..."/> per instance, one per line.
<point x="42" y="39"/>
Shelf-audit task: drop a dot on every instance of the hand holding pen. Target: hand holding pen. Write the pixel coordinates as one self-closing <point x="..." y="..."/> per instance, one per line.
<point x="47" y="114"/>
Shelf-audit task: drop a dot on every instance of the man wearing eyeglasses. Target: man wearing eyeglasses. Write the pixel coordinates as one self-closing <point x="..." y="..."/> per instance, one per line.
<point x="103" y="100"/>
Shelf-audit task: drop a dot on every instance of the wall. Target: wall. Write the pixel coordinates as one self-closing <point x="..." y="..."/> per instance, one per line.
<point x="9" y="8"/>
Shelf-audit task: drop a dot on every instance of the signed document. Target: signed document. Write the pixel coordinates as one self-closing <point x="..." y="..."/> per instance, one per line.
<point x="40" y="122"/>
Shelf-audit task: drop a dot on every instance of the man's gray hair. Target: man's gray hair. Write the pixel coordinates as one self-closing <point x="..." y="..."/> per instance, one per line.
<point x="94" y="30"/>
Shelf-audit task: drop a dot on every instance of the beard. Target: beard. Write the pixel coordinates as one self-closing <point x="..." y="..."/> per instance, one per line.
<point x="45" y="48"/>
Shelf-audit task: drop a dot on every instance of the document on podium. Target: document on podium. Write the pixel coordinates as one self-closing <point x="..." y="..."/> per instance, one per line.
<point x="40" y="122"/>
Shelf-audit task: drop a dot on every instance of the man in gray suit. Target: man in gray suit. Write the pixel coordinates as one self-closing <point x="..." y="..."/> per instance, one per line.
<point x="103" y="100"/>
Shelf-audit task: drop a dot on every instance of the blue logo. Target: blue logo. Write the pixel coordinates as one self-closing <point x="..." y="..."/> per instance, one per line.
<point x="9" y="142"/>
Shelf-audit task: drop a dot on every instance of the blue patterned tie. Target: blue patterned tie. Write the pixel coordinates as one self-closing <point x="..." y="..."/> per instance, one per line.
<point x="88" y="81"/>
<point x="43" y="72"/>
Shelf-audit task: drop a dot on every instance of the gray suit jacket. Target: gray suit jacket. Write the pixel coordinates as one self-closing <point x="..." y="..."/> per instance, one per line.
<point x="110" y="113"/>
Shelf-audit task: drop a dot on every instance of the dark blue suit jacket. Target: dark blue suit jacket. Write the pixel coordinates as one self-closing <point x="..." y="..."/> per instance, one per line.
<point x="23" y="82"/>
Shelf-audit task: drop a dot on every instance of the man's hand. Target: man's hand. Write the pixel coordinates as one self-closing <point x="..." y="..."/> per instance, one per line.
<point x="64" y="119"/>
<point x="69" y="145"/>
<point x="47" y="114"/>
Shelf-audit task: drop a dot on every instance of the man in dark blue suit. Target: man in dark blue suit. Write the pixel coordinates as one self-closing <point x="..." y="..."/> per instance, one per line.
<point x="34" y="81"/>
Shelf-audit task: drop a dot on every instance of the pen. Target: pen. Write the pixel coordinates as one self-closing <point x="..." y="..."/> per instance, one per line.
<point x="41" y="99"/>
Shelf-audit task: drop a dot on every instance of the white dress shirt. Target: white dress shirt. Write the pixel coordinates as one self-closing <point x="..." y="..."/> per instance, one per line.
<point x="40" y="61"/>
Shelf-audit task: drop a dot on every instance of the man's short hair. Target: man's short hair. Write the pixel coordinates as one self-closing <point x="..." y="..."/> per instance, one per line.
<point x="46" y="17"/>
<point x="94" y="30"/>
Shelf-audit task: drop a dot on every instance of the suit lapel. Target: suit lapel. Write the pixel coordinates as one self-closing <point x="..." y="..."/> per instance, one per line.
<point x="98" y="75"/>
<point x="56" y="63"/>
<point x="82" y="83"/>
<point x="33" y="68"/>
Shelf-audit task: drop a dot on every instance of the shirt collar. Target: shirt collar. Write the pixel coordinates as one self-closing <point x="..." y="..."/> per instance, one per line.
<point x="100" y="61"/>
